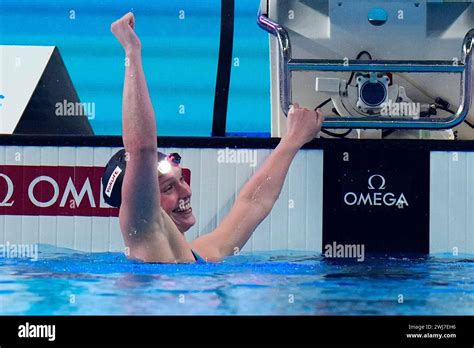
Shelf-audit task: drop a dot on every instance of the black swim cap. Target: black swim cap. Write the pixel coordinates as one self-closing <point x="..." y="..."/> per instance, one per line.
<point x="115" y="172"/>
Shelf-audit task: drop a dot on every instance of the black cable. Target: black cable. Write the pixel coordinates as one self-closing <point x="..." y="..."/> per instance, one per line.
<point x="336" y="135"/>
<point x="358" y="57"/>
<point x="332" y="134"/>
<point x="340" y="135"/>
<point x="453" y="113"/>
<point x="469" y="124"/>
<point x="444" y="105"/>
<point x="447" y="110"/>
<point x="322" y="104"/>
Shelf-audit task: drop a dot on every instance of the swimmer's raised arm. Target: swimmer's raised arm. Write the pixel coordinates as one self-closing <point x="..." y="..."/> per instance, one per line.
<point x="138" y="116"/>
<point x="259" y="194"/>
<point x="145" y="228"/>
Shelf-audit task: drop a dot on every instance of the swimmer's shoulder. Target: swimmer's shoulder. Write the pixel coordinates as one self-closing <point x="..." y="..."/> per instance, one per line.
<point x="163" y="243"/>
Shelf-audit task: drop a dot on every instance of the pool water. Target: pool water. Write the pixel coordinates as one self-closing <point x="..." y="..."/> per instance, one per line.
<point x="66" y="282"/>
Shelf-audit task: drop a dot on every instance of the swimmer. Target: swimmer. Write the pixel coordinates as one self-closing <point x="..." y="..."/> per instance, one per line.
<point x="149" y="187"/>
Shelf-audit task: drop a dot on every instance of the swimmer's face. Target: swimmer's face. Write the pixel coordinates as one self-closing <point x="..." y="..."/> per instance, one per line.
<point x="175" y="198"/>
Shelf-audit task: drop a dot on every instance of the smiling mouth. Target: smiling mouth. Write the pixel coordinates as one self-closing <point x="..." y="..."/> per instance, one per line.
<point x="184" y="207"/>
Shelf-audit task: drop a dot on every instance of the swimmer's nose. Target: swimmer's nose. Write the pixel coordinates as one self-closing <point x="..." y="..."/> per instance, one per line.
<point x="184" y="190"/>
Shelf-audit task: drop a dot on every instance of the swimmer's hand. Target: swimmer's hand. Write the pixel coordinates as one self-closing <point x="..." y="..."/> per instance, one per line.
<point x="124" y="31"/>
<point x="303" y="125"/>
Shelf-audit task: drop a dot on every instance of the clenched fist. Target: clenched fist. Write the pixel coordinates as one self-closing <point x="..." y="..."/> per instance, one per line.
<point x="303" y="125"/>
<point x="124" y="31"/>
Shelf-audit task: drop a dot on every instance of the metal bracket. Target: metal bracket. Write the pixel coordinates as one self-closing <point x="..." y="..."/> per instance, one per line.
<point x="287" y="65"/>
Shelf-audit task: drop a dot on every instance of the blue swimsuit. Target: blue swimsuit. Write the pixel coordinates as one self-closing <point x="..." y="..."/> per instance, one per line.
<point x="198" y="257"/>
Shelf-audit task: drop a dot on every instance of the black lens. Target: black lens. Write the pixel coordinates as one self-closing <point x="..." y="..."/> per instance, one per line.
<point x="373" y="94"/>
